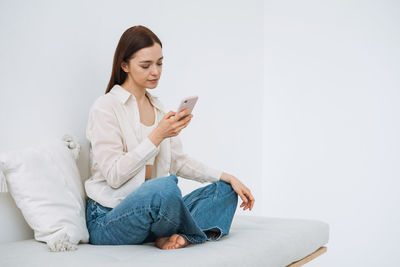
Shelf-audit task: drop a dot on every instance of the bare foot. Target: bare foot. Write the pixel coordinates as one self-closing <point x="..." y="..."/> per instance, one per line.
<point x="160" y="241"/>
<point x="173" y="242"/>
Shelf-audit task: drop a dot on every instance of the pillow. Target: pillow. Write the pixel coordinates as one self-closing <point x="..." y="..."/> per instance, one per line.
<point x="45" y="183"/>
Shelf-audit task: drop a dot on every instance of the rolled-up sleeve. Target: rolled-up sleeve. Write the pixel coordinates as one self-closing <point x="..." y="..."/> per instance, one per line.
<point x="187" y="167"/>
<point x="105" y="136"/>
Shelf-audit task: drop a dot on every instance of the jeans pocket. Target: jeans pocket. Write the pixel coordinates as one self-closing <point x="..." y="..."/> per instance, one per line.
<point x="100" y="210"/>
<point x="90" y="212"/>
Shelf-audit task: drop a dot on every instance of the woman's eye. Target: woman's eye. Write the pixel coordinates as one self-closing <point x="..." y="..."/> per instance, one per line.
<point x="146" y="67"/>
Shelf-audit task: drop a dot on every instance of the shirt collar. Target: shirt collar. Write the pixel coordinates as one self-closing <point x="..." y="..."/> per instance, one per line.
<point x="124" y="95"/>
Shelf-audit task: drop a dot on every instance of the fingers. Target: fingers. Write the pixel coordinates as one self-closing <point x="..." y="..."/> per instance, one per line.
<point x="245" y="201"/>
<point x="248" y="202"/>
<point x="176" y="126"/>
<point x="182" y="114"/>
<point x="177" y="116"/>
<point x="181" y="123"/>
<point x="169" y="114"/>
<point x="185" y="120"/>
<point x="252" y="200"/>
<point x="185" y="123"/>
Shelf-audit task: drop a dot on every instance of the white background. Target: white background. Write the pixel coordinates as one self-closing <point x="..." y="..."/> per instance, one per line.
<point x="298" y="99"/>
<point x="331" y="123"/>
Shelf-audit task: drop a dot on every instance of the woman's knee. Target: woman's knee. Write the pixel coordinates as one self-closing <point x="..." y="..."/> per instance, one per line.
<point x="167" y="187"/>
<point x="162" y="181"/>
<point x="224" y="187"/>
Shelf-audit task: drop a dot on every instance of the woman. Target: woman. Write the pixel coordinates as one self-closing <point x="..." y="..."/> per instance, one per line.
<point x="136" y="156"/>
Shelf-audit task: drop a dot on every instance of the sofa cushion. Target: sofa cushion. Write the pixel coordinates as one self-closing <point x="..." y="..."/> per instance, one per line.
<point x="252" y="241"/>
<point x="45" y="183"/>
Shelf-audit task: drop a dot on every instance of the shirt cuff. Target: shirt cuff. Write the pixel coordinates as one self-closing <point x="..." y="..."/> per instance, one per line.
<point x="214" y="175"/>
<point x="146" y="149"/>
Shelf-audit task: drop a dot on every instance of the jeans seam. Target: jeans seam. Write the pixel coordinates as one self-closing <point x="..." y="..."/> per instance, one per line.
<point x="197" y="199"/>
<point x="162" y="214"/>
<point x="127" y="214"/>
<point x="213" y="197"/>
<point x="216" y="191"/>
<point x="201" y="197"/>
<point x="104" y="226"/>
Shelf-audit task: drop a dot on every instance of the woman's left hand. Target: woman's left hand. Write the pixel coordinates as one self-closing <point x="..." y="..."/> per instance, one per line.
<point x="240" y="189"/>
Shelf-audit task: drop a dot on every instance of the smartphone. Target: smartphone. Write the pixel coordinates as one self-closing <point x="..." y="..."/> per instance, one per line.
<point x="187" y="102"/>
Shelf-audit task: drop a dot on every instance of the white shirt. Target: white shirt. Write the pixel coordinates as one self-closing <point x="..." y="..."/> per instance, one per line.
<point x="118" y="153"/>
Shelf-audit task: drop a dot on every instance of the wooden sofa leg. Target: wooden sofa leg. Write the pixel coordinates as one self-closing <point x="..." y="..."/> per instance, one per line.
<point x="313" y="255"/>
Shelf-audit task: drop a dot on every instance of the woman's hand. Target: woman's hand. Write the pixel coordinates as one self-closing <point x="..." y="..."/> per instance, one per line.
<point x="240" y="189"/>
<point x="169" y="126"/>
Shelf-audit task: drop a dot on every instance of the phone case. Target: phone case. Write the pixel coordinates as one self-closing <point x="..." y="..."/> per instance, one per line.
<point x="189" y="103"/>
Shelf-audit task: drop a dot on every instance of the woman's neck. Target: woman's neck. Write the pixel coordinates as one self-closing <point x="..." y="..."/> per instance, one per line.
<point x="138" y="92"/>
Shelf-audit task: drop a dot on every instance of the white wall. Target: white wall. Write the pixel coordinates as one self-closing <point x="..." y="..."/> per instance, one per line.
<point x="55" y="60"/>
<point x="331" y="131"/>
<point x="329" y="112"/>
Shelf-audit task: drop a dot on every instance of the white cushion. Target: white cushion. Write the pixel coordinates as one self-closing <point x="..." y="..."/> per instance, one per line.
<point x="45" y="183"/>
<point x="252" y="241"/>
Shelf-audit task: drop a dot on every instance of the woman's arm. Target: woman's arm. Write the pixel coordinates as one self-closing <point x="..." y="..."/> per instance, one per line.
<point x="184" y="166"/>
<point x="117" y="166"/>
<point x="242" y="190"/>
<point x="187" y="167"/>
<point x="226" y="177"/>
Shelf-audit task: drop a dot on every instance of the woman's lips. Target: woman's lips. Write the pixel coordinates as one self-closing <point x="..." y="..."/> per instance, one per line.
<point x="153" y="81"/>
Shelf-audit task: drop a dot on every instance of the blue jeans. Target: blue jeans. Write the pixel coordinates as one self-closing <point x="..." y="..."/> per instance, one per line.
<point x="157" y="209"/>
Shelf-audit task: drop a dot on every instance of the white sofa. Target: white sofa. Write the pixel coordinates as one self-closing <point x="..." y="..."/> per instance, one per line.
<point x="252" y="241"/>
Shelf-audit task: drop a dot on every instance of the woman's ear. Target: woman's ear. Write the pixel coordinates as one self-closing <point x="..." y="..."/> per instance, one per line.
<point x="124" y="66"/>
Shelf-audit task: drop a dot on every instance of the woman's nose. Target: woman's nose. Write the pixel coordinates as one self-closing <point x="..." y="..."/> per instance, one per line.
<point x="154" y="70"/>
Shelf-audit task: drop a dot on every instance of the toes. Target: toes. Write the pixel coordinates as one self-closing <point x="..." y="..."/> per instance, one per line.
<point x="173" y="242"/>
<point x="183" y="241"/>
<point x="174" y="238"/>
<point x="160" y="242"/>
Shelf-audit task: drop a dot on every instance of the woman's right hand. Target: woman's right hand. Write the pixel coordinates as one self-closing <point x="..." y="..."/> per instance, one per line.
<point x="170" y="126"/>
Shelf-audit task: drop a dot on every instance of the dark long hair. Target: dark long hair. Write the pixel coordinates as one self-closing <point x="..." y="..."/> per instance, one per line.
<point x="132" y="40"/>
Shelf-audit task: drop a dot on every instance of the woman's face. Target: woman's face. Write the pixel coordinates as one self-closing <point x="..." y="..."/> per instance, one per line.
<point x="145" y="66"/>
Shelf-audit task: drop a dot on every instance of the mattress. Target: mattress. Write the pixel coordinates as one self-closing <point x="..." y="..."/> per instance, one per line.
<point x="252" y="241"/>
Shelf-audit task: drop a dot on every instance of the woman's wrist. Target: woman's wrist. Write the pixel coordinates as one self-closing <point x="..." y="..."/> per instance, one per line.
<point x="226" y="177"/>
<point x="155" y="137"/>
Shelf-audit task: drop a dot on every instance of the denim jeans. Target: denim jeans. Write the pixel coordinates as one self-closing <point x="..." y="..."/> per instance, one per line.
<point x="157" y="209"/>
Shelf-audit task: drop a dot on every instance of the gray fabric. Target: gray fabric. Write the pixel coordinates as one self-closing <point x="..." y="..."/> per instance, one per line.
<point x="252" y="241"/>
